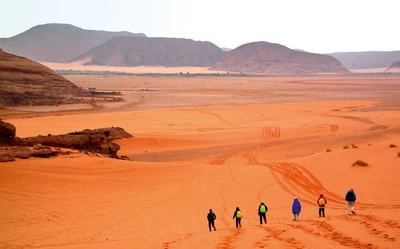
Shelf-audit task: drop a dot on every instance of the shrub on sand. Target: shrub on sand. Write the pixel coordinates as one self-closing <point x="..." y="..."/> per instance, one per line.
<point x="360" y="163"/>
<point x="354" y="146"/>
<point x="392" y="146"/>
<point x="345" y="147"/>
<point x="328" y="150"/>
<point x="398" y="154"/>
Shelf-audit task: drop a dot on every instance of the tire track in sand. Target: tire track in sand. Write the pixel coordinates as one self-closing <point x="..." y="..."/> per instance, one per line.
<point x="268" y="134"/>
<point x="293" y="178"/>
<point x="217" y="116"/>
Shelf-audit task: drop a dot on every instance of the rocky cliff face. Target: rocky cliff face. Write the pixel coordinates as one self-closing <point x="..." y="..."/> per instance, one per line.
<point x="269" y="58"/>
<point x="26" y="82"/>
<point x="144" y="51"/>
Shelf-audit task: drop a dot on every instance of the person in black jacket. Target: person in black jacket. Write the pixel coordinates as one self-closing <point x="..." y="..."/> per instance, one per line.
<point x="238" y="215"/>
<point x="350" y="199"/>
<point x="262" y="212"/>
<point x="211" y="218"/>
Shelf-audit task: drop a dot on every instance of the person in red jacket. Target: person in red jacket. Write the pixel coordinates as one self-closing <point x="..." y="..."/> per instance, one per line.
<point x="321" y="203"/>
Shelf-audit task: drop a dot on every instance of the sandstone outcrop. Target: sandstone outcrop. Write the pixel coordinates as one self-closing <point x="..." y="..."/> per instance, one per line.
<point x="7" y="130"/>
<point x="26" y="82"/>
<point x="93" y="141"/>
<point x="270" y="58"/>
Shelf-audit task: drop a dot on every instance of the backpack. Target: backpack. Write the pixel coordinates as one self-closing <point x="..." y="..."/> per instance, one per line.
<point x="263" y="209"/>
<point x="239" y="214"/>
<point x="321" y="201"/>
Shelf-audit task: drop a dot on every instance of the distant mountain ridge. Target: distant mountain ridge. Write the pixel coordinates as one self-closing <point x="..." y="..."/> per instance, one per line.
<point x="146" y="51"/>
<point x="271" y="58"/>
<point x="56" y="42"/>
<point x="367" y="60"/>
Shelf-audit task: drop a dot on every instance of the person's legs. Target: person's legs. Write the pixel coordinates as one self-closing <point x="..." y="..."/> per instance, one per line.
<point x="237" y="222"/>
<point x="240" y="222"/>
<point x="348" y="207"/>
<point x="352" y="206"/>
<point x="323" y="212"/>
<point x="265" y="218"/>
<point x="209" y="225"/>
<point x="260" y="219"/>
<point x="213" y="225"/>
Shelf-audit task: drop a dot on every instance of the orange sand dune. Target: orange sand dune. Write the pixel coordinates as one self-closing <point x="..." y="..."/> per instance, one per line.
<point x="219" y="143"/>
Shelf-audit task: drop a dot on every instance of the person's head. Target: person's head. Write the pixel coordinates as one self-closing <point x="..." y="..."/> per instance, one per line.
<point x="210" y="210"/>
<point x="262" y="202"/>
<point x="321" y="195"/>
<point x="237" y="209"/>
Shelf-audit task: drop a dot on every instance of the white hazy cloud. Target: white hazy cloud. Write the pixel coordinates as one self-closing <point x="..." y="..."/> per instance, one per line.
<point x="312" y="25"/>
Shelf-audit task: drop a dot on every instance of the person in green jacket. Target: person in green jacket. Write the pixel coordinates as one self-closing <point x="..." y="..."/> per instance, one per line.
<point x="262" y="212"/>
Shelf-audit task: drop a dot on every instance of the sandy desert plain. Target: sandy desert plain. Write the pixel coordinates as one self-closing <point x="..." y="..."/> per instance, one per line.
<point x="213" y="142"/>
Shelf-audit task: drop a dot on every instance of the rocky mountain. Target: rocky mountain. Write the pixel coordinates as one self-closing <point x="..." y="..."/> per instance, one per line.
<point x="270" y="58"/>
<point x="56" y="42"/>
<point x="367" y="60"/>
<point x="26" y="82"/>
<point x="145" y="51"/>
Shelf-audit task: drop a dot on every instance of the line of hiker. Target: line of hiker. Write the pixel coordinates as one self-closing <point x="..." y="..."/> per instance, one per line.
<point x="296" y="209"/>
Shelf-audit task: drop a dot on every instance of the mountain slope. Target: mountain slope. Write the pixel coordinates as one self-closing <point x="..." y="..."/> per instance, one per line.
<point x="26" y="82"/>
<point x="367" y="60"/>
<point x="56" y="42"/>
<point x="145" y="51"/>
<point x="394" y="68"/>
<point x="270" y="58"/>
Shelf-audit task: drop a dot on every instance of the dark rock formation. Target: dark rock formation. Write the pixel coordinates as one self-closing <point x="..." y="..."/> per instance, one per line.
<point x="269" y="58"/>
<point x="144" y="51"/>
<point x="56" y="42"/>
<point x="7" y="130"/>
<point x="26" y="82"/>
<point x="94" y="141"/>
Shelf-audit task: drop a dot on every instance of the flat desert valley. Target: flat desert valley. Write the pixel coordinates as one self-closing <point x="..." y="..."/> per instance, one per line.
<point x="218" y="142"/>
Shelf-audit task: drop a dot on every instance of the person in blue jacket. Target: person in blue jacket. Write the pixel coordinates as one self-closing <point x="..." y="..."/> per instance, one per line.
<point x="350" y="199"/>
<point x="296" y="208"/>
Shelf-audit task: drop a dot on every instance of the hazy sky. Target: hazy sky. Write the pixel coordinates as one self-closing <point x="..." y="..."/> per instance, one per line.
<point x="319" y="26"/>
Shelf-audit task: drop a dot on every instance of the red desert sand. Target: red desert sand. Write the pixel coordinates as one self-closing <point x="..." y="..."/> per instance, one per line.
<point x="213" y="142"/>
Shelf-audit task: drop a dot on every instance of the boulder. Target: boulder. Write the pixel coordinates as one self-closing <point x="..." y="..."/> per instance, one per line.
<point x="7" y="130"/>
